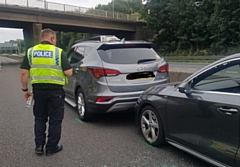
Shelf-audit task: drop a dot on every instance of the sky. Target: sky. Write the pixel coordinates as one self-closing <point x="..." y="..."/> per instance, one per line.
<point x="7" y="34"/>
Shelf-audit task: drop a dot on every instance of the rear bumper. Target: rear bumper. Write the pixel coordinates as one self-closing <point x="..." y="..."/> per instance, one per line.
<point x="115" y="105"/>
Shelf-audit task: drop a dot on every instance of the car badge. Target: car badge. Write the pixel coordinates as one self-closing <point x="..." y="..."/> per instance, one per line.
<point x="141" y="68"/>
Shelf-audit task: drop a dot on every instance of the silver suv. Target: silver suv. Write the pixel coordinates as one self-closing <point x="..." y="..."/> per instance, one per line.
<point x="109" y="74"/>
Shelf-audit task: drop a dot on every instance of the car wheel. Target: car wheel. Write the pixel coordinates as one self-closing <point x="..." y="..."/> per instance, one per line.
<point x="83" y="113"/>
<point x="151" y="126"/>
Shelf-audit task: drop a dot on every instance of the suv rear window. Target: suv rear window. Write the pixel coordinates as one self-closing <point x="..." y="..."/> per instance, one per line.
<point x="128" y="55"/>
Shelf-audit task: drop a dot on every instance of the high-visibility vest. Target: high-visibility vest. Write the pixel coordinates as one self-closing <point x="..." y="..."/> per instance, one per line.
<point x="46" y="65"/>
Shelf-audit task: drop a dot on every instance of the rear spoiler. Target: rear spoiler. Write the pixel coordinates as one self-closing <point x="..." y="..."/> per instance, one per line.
<point x="125" y="45"/>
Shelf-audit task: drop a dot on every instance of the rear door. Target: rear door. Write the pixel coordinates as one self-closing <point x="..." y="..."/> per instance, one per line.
<point x="139" y="67"/>
<point x="68" y="86"/>
<point x="75" y="56"/>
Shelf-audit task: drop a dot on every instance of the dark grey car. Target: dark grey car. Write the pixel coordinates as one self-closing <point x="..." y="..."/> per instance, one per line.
<point x="109" y="76"/>
<point x="199" y="115"/>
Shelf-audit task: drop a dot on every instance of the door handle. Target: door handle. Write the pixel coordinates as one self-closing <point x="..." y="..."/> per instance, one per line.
<point x="228" y="111"/>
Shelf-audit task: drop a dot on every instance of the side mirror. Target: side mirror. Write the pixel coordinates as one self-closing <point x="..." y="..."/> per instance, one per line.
<point x="182" y="89"/>
<point x="185" y="88"/>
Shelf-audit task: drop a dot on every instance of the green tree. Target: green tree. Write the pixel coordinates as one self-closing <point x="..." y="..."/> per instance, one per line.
<point x="182" y="26"/>
<point x="224" y="26"/>
<point x="66" y="40"/>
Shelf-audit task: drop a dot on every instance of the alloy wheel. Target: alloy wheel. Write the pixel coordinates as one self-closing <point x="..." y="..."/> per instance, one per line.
<point x="81" y="105"/>
<point x="150" y="126"/>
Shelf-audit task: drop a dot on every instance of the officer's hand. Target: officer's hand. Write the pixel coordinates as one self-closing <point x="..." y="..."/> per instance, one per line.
<point x="26" y="95"/>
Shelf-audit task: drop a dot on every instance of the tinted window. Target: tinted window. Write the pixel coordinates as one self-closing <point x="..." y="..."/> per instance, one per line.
<point x="128" y="55"/>
<point x="78" y="54"/>
<point x="225" y="78"/>
<point x="70" y="55"/>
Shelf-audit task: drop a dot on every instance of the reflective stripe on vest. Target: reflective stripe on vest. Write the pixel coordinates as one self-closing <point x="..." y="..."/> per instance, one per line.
<point x="57" y="56"/>
<point x="46" y="78"/>
<point x="46" y="66"/>
<point x="30" y="57"/>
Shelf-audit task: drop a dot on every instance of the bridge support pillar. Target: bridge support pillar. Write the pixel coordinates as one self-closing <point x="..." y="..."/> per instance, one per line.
<point x="31" y="34"/>
<point x="139" y="35"/>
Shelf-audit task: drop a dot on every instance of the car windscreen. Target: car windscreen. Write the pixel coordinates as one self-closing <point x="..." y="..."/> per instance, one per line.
<point x="128" y="55"/>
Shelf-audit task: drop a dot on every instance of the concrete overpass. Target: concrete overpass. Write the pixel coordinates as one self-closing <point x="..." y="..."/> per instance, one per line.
<point x="33" y="19"/>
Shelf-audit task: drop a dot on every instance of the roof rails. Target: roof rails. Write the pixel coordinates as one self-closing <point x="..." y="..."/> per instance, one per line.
<point x="101" y="38"/>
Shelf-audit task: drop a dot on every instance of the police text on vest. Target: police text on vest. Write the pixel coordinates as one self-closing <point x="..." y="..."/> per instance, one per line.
<point x="43" y="53"/>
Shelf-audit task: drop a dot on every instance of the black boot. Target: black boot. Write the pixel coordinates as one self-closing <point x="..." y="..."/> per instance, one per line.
<point x="39" y="149"/>
<point x="55" y="150"/>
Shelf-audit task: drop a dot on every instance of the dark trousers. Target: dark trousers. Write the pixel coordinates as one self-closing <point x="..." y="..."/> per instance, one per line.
<point x="48" y="107"/>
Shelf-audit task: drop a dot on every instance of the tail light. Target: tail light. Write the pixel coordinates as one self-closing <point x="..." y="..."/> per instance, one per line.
<point x="163" y="68"/>
<point x="100" y="72"/>
<point x="104" y="98"/>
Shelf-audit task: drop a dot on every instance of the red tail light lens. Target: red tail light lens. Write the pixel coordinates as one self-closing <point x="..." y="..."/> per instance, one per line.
<point x="96" y="72"/>
<point x="163" y="68"/>
<point x="104" y="98"/>
<point x="110" y="72"/>
<point x="100" y="72"/>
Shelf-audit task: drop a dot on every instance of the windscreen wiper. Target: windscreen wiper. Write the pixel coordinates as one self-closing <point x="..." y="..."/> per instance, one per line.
<point x="145" y="60"/>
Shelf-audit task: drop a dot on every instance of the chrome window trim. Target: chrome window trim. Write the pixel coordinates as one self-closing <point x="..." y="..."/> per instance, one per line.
<point x="215" y="92"/>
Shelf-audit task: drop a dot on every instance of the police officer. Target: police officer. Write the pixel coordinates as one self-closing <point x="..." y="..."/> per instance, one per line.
<point x="47" y="67"/>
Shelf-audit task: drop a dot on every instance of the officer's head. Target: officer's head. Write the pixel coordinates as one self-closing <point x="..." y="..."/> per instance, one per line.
<point x="49" y="35"/>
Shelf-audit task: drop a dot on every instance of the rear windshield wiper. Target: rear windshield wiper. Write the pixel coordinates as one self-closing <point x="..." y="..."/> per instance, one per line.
<point x="145" y="60"/>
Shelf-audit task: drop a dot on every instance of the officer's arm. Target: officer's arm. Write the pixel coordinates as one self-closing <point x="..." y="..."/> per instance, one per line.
<point x="68" y="72"/>
<point x="25" y="67"/>
<point x="67" y="69"/>
<point x="24" y="78"/>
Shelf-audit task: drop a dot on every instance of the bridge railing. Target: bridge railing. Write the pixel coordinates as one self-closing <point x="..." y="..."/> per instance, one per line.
<point x="52" y="6"/>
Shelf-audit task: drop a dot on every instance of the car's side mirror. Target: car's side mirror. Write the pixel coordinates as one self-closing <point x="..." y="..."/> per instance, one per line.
<point x="182" y="89"/>
<point x="185" y="88"/>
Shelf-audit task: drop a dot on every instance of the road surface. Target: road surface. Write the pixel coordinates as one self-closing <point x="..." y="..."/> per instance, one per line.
<point x="6" y="60"/>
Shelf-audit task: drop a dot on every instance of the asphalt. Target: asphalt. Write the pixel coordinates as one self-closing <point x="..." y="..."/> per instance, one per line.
<point x="8" y="61"/>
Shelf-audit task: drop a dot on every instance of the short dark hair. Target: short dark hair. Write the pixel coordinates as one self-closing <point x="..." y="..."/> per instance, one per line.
<point x="47" y="32"/>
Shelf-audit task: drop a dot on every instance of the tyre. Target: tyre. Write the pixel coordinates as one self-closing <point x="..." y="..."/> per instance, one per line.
<point x="151" y="126"/>
<point x="82" y="110"/>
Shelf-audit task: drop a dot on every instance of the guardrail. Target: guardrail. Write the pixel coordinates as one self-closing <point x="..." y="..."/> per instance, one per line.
<point x="45" y="5"/>
<point x="192" y="58"/>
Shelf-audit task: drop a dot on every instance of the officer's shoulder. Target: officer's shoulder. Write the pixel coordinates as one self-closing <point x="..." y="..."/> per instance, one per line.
<point x="30" y="48"/>
<point x="58" y="47"/>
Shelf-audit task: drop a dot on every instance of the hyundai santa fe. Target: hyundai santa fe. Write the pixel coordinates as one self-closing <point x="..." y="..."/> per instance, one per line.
<point x="109" y="74"/>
